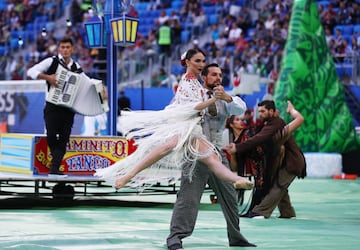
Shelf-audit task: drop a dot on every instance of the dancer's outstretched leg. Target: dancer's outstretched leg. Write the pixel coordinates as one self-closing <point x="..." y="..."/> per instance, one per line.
<point x="156" y="154"/>
<point x="220" y="170"/>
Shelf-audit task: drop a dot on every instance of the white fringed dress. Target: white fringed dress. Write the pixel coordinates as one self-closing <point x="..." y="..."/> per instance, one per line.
<point x="153" y="128"/>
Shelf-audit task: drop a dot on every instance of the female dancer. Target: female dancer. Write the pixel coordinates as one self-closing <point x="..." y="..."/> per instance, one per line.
<point x="239" y="131"/>
<point x="250" y="164"/>
<point x="171" y="138"/>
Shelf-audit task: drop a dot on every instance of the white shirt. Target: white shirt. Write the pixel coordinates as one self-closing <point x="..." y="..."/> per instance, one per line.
<point x="234" y="34"/>
<point x="45" y="64"/>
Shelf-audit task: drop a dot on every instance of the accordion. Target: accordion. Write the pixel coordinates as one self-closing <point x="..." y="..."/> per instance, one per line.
<point x="77" y="92"/>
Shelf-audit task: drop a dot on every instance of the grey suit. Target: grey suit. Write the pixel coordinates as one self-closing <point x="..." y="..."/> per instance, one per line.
<point x="188" y="198"/>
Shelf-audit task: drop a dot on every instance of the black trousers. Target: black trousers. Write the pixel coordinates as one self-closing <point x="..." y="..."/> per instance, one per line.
<point x="58" y="122"/>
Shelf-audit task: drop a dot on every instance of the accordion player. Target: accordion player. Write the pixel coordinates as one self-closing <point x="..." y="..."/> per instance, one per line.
<point x="66" y="82"/>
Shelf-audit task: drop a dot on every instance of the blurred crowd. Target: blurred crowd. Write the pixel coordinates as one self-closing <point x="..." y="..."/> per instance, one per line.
<point x="249" y="38"/>
<point x="17" y="16"/>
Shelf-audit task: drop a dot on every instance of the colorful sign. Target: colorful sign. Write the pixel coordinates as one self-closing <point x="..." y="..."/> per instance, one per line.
<point x="83" y="155"/>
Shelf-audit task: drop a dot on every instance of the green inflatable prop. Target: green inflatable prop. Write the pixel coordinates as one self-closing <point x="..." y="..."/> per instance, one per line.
<point x="309" y="80"/>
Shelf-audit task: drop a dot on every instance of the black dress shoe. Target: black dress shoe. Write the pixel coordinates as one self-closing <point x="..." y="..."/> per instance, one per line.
<point x="243" y="244"/>
<point x="176" y="246"/>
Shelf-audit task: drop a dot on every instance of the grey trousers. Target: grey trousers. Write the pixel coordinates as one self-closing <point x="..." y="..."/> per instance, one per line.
<point x="278" y="196"/>
<point x="187" y="204"/>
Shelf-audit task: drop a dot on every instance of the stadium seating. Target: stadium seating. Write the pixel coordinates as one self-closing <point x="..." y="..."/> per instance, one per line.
<point x="357" y="28"/>
<point x="213" y="19"/>
<point x="348" y="29"/>
<point x="323" y="3"/>
<point x="177" y="4"/>
<point x="177" y="69"/>
<point x="3" y="5"/>
<point x="3" y="50"/>
<point x="185" y="36"/>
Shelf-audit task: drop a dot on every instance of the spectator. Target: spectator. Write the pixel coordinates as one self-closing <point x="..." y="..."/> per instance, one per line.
<point x="124" y="102"/>
<point x="19" y="72"/>
<point x="221" y="41"/>
<point x="10" y="67"/>
<point x="176" y="31"/>
<point x="199" y="21"/>
<point x="354" y="12"/>
<point x="157" y="78"/>
<point x="241" y="43"/>
<point x="170" y="81"/>
<point x="162" y="18"/>
<point x="354" y="44"/>
<point x="215" y="32"/>
<point x="234" y="34"/>
<point x="246" y="18"/>
<point x="4" y="36"/>
<point x="75" y="12"/>
<point x="41" y="42"/>
<point x="269" y="23"/>
<point x="343" y="14"/>
<point x="330" y="17"/>
<point x="2" y="67"/>
<point x="133" y="12"/>
<point x="164" y="41"/>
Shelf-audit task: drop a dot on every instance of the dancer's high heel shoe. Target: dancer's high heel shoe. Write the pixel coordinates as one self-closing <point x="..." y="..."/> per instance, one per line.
<point x="243" y="184"/>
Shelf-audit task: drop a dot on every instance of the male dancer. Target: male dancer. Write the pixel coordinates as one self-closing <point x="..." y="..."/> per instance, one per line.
<point x="284" y="164"/>
<point x="188" y="198"/>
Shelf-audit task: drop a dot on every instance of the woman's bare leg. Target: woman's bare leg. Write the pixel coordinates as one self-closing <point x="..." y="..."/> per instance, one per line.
<point x="156" y="154"/>
<point x="220" y="170"/>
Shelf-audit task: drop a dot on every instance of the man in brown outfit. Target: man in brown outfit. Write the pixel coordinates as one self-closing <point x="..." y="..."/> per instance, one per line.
<point x="285" y="160"/>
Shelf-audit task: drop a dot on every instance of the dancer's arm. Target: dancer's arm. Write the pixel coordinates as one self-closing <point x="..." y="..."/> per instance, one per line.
<point x="234" y="105"/>
<point x="220" y="94"/>
<point x="298" y="119"/>
<point x="283" y="135"/>
<point x="269" y="131"/>
<point x="205" y="104"/>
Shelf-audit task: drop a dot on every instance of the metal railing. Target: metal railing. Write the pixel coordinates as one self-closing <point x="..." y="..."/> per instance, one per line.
<point x="136" y="67"/>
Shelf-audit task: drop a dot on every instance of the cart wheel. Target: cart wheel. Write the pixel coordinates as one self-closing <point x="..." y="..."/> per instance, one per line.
<point x="63" y="192"/>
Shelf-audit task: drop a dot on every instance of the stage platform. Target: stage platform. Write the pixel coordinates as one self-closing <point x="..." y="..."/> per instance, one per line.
<point x="32" y="186"/>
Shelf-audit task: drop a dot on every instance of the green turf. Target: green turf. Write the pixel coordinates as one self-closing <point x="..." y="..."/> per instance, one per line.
<point x="328" y="217"/>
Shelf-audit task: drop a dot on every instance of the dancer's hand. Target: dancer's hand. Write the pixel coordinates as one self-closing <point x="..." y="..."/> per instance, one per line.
<point x="290" y="107"/>
<point x="243" y="183"/>
<point x="219" y="93"/>
<point x="230" y="149"/>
